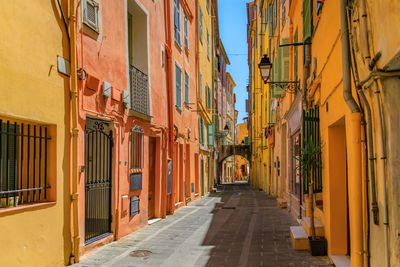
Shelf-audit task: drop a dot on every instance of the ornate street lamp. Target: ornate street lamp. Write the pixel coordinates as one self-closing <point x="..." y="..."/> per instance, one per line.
<point x="265" y="67"/>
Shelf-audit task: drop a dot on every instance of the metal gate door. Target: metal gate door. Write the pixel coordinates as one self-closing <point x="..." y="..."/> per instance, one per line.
<point x="98" y="151"/>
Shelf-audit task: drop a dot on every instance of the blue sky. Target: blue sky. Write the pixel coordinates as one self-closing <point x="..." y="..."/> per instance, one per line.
<point x="232" y="28"/>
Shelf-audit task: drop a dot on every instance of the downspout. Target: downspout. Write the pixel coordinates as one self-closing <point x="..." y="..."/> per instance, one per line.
<point x="74" y="133"/>
<point x="383" y="173"/>
<point x="353" y="128"/>
<point x="367" y="57"/>
<point x="168" y="53"/>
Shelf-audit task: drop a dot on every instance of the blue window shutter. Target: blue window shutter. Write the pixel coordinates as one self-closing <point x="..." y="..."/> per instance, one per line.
<point x="177" y="23"/>
<point x="186" y="88"/>
<point x="185" y="31"/>
<point x="178" y="86"/>
<point x="200" y="25"/>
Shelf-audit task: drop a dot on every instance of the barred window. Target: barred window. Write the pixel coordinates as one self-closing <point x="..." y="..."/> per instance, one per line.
<point x="23" y="163"/>
<point x="137" y="144"/>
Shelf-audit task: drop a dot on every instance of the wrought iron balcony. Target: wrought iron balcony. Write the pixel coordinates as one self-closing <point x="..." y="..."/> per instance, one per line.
<point x="140" y="101"/>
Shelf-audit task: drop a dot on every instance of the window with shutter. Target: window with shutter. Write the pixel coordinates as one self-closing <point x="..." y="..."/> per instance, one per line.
<point x="307" y="19"/>
<point x="270" y="18"/>
<point x="208" y="45"/>
<point x="296" y="57"/>
<point x="185" y="31"/>
<point x="178" y="87"/>
<point x="201" y="87"/>
<point x="200" y="25"/>
<point x="210" y="135"/>
<point x="177" y="22"/>
<point x="91" y="14"/>
<point x="285" y="57"/>
<point x="186" y="88"/>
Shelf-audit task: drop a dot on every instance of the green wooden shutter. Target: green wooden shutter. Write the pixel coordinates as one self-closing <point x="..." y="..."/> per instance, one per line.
<point x="201" y="86"/>
<point x="307" y="19"/>
<point x="285" y="57"/>
<point x="186" y="88"/>
<point x="210" y="135"/>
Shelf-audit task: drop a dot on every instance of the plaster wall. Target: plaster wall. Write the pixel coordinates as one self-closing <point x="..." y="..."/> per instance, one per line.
<point x="32" y="91"/>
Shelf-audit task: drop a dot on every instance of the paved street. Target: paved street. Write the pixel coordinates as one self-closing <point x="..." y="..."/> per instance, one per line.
<point x="236" y="227"/>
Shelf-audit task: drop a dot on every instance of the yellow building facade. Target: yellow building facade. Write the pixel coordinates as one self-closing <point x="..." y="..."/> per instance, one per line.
<point x="204" y="95"/>
<point x="34" y="112"/>
<point x="259" y="94"/>
<point x="346" y="82"/>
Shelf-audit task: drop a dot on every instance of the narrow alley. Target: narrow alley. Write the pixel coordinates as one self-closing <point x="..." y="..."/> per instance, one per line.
<point x="237" y="226"/>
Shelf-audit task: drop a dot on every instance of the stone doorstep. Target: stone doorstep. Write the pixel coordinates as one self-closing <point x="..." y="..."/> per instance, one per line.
<point x="154" y="220"/>
<point x="340" y="260"/>
<point x="319" y="227"/>
<point x="281" y="203"/>
<point x="299" y="238"/>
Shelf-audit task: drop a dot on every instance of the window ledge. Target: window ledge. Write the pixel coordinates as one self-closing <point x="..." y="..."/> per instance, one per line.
<point x="25" y="207"/>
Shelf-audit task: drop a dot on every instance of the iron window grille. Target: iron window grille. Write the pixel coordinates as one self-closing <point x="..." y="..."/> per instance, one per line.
<point x="140" y="101"/>
<point x="23" y="162"/>
<point x="137" y="145"/>
<point x="135" y="200"/>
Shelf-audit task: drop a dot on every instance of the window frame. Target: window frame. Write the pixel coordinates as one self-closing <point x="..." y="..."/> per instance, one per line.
<point x="137" y="137"/>
<point x="94" y="26"/>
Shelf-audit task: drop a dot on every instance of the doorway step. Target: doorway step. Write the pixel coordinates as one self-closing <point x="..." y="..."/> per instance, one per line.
<point x="299" y="238"/>
<point x="340" y="260"/>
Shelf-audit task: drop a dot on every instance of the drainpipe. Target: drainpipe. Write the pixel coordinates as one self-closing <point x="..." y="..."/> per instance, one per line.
<point x="367" y="57"/>
<point x="74" y="116"/>
<point x="383" y="173"/>
<point x="353" y="129"/>
<point x="168" y="53"/>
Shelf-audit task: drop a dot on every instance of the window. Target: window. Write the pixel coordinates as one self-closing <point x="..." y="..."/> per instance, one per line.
<point x="283" y="12"/>
<point x="210" y="135"/>
<point x="186" y="88"/>
<point x="91" y="14"/>
<point x="137" y="144"/>
<point x="270" y="18"/>
<point x="200" y="25"/>
<point x="185" y="31"/>
<point x="201" y="130"/>
<point x="178" y="87"/>
<point x="295" y="187"/>
<point x="208" y="97"/>
<point x="24" y="162"/>
<point x="208" y="45"/>
<point x="295" y="55"/>
<point x="201" y="87"/>
<point x="177" y="22"/>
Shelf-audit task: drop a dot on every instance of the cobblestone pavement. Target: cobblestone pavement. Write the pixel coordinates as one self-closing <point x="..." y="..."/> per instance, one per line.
<point x="236" y="227"/>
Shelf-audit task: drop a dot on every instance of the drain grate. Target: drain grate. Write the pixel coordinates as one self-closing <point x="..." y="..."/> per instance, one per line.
<point x="140" y="253"/>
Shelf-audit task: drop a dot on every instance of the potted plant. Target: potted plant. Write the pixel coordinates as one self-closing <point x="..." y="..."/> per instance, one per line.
<point x="309" y="159"/>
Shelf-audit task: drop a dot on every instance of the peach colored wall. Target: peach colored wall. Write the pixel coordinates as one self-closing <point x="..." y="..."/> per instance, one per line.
<point x="105" y="58"/>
